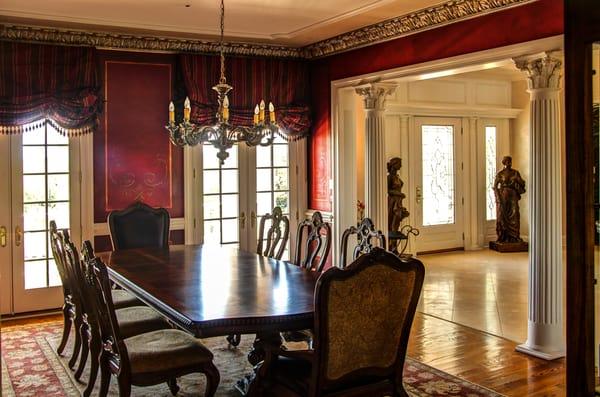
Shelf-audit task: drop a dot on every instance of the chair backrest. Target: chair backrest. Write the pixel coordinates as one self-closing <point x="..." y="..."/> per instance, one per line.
<point x="365" y="234"/>
<point x="59" y="257"/>
<point x="73" y="270"/>
<point x="316" y="245"/>
<point x="363" y="316"/>
<point x="139" y="226"/>
<point x="276" y="237"/>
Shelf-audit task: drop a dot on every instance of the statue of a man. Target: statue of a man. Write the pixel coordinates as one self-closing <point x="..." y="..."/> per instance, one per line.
<point x="396" y="211"/>
<point x="508" y="188"/>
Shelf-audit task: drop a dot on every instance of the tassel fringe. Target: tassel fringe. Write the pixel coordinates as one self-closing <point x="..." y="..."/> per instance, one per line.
<point x="67" y="132"/>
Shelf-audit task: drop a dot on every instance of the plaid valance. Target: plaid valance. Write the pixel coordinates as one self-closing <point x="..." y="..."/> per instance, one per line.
<point x="46" y="83"/>
<point x="283" y="82"/>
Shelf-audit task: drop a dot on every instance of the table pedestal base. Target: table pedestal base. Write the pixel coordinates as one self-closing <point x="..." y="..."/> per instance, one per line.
<point x="250" y="384"/>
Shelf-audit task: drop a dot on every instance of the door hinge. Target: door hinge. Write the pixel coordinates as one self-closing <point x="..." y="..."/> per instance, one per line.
<point x="462" y="166"/>
<point x="194" y="173"/>
<point x="463" y="236"/>
<point x="297" y="215"/>
<point x="80" y="177"/>
<point x="194" y="223"/>
<point x="461" y="130"/>
<point x="463" y="201"/>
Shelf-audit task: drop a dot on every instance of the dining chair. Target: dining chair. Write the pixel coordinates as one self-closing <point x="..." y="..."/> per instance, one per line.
<point x="150" y="358"/>
<point x="365" y="235"/>
<point x="313" y="242"/>
<point x="276" y="240"/>
<point x="68" y="308"/>
<point x="363" y="316"/>
<point x="133" y="320"/>
<point x="276" y="236"/>
<point x="139" y="226"/>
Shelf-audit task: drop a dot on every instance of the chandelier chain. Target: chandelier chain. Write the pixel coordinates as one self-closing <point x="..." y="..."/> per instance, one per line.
<point x="222" y="80"/>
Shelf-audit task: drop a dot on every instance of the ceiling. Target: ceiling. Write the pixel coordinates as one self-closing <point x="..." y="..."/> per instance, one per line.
<point x="285" y="22"/>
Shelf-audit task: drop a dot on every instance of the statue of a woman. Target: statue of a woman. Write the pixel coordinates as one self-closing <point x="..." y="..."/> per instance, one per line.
<point x="396" y="211"/>
<point x="508" y="188"/>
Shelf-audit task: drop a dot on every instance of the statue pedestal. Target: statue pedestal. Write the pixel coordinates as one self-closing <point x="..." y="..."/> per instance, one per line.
<point x="522" y="246"/>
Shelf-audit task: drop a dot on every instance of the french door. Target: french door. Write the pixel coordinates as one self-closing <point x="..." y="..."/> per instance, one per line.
<point x="236" y="194"/>
<point x="38" y="185"/>
<point x="438" y="183"/>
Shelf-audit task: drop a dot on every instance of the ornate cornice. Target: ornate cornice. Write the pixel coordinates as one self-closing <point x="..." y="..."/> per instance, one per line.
<point x="138" y="42"/>
<point x="428" y="18"/>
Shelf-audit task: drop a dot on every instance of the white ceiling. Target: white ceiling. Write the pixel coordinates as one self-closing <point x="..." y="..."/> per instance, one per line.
<point x="286" y="22"/>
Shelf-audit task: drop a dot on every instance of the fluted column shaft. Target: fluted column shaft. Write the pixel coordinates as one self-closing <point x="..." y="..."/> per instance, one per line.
<point x="545" y="312"/>
<point x="374" y="97"/>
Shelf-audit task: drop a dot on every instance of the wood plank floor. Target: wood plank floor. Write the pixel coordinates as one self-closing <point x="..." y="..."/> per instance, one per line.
<point x="473" y="355"/>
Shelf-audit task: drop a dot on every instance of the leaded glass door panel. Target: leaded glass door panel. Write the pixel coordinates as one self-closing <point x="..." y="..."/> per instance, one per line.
<point x="438" y="188"/>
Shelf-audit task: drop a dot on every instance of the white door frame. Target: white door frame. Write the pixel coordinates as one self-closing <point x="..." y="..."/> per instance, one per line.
<point x="342" y="157"/>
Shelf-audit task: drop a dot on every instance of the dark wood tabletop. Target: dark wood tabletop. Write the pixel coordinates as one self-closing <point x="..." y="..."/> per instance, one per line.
<point x="213" y="290"/>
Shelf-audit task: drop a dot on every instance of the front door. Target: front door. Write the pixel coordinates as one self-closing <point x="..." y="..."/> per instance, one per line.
<point x="438" y="184"/>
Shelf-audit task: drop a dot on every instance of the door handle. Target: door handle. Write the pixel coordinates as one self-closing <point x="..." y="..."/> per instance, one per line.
<point x="243" y="220"/>
<point x="419" y="195"/>
<point x="252" y="220"/>
<point x="2" y="236"/>
<point x="18" y="236"/>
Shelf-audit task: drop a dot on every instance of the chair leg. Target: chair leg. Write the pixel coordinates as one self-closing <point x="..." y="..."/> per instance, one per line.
<point x="77" y="345"/>
<point x="104" y="376"/>
<point x="172" y="383"/>
<point x="124" y="387"/>
<point x="95" y="350"/>
<point x="68" y="322"/>
<point x="85" y="349"/>
<point x="212" y="379"/>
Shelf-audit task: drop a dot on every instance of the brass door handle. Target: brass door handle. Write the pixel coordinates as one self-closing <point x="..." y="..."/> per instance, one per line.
<point x="419" y="195"/>
<point x="2" y="236"/>
<point x="252" y="219"/>
<point x="243" y="220"/>
<point x="18" y="236"/>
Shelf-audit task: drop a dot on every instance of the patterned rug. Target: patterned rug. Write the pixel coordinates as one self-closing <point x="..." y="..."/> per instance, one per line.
<point x="31" y="367"/>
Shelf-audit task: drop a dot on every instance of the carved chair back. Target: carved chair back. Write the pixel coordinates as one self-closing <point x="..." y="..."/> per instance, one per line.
<point x="139" y="226"/>
<point x="72" y="269"/>
<point x="365" y="235"/>
<point x="363" y="316"/>
<point x="276" y="236"/>
<point x="59" y="258"/>
<point x="114" y="349"/>
<point x="316" y="245"/>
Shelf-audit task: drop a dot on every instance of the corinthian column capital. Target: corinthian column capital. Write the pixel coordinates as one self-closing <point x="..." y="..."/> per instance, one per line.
<point x="542" y="72"/>
<point x="374" y="95"/>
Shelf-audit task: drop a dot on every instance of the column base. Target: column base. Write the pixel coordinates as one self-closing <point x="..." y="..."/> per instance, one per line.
<point x="553" y="355"/>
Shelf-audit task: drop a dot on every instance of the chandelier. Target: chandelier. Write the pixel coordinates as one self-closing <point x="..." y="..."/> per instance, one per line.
<point x="222" y="135"/>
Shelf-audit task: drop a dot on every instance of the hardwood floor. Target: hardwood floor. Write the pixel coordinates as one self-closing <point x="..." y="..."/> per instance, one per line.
<point x="476" y="356"/>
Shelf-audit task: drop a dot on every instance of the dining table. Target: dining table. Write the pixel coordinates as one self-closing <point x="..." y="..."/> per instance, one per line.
<point x="212" y="290"/>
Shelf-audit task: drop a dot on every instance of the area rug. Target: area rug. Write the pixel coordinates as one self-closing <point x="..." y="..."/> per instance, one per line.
<point x="31" y="367"/>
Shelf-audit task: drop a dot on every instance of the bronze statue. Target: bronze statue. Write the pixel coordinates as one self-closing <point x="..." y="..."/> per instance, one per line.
<point x="508" y="188"/>
<point x="396" y="210"/>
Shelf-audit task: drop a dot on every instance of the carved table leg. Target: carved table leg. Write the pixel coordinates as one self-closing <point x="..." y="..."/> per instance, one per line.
<point x="249" y="385"/>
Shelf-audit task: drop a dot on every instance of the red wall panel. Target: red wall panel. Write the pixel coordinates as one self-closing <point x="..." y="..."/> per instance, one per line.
<point x="133" y="157"/>
<point x="543" y="18"/>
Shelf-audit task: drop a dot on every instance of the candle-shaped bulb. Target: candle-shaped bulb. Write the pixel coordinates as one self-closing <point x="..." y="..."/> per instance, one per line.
<point x="261" y="115"/>
<point x="225" y="109"/>
<point x="256" y="110"/>
<point x="171" y="112"/>
<point x="271" y="112"/>
<point x="187" y="109"/>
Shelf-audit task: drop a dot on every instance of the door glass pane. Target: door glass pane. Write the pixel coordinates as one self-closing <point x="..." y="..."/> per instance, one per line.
<point x="272" y="181"/>
<point x="220" y="195"/>
<point x="45" y="198"/>
<point x="438" y="174"/>
<point x="490" y="172"/>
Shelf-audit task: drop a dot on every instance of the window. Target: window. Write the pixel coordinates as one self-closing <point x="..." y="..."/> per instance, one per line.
<point x="490" y="172"/>
<point x="45" y="198"/>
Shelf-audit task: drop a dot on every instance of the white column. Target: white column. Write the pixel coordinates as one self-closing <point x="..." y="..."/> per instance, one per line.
<point x="545" y="324"/>
<point x="374" y="97"/>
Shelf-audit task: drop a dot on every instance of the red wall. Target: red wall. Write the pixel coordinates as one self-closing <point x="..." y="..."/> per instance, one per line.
<point x="543" y="18"/>
<point x="133" y="157"/>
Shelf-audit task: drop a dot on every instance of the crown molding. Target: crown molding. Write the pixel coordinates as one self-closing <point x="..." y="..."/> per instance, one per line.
<point x="429" y="18"/>
<point x="138" y="42"/>
<point x="425" y="19"/>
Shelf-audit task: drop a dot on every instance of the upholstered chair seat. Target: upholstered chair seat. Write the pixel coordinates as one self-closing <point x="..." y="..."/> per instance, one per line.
<point x="164" y="351"/>
<point x="122" y="298"/>
<point x="136" y="320"/>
